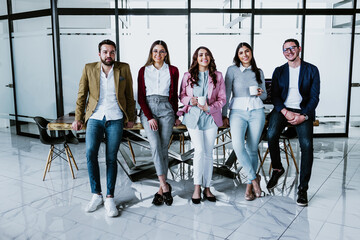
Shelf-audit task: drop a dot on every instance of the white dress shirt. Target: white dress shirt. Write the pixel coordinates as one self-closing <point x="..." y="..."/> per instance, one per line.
<point x="294" y="98"/>
<point x="157" y="82"/>
<point x="107" y="105"/>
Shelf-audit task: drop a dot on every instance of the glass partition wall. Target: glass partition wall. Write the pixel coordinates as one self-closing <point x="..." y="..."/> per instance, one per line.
<point x="45" y="45"/>
<point x="355" y="84"/>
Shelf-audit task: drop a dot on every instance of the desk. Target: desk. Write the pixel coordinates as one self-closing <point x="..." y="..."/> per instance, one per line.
<point x="135" y="171"/>
<point x="131" y="168"/>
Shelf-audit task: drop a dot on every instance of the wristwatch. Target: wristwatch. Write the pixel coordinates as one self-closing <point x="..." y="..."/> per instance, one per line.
<point x="306" y="117"/>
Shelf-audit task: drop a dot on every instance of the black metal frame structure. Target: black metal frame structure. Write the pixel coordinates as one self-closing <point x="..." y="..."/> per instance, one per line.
<point x="54" y="13"/>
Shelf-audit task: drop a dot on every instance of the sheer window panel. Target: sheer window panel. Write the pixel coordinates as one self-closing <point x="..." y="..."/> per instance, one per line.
<point x="153" y="4"/>
<point x="3" y="7"/>
<point x="221" y="4"/>
<point x="139" y="32"/>
<point x="86" y="3"/>
<point x="269" y="35"/>
<point x="79" y="39"/>
<point x="294" y="4"/>
<point x="221" y="33"/>
<point x="355" y="90"/>
<point x="329" y="4"/>
<point x="6" y="92"/>
<point x="34" y="68"/>
<point x="327" y="46"/>
<point x="26" y="5"/>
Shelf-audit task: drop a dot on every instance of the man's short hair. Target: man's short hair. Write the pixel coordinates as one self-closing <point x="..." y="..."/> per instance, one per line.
<point x="108" y="42"/>
<point x="292" y="40"/>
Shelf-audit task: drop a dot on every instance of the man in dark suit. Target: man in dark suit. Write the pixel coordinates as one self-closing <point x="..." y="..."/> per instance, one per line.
<point x="295" y="93"/>
<point x="106" y="92"/>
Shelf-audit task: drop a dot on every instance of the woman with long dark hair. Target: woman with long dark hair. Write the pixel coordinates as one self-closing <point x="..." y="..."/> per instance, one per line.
<point x="246" y="84"/>
<point x="158" y="99"/>
<point x="203" y="96"/>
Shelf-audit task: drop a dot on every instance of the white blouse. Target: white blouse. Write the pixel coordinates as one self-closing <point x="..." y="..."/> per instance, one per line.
<point x="157" y="82"/>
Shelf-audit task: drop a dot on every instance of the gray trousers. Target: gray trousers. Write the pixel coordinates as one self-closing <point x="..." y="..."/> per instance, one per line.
<point x="163" y="113"/>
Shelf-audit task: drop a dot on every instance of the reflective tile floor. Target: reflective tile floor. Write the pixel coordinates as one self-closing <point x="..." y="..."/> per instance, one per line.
<point x="54" y="209"/>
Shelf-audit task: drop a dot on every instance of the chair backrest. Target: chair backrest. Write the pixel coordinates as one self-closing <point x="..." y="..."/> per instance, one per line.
<point x="268" y="91"/>
<point x="42" y="126"/>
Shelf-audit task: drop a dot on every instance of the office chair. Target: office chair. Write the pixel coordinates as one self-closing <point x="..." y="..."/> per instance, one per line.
<point x="55" y="152"/>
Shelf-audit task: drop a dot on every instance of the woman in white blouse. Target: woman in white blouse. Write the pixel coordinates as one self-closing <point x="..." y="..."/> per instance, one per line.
<point x="247" y="116"/>
<point x="158" y="99"/>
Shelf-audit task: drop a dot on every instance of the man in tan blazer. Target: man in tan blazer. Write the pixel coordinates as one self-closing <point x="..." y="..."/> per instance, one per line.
<point x="106" y="92"/>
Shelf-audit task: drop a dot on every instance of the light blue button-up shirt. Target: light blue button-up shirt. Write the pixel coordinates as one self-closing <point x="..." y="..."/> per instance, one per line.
<point x="197" y="118"/>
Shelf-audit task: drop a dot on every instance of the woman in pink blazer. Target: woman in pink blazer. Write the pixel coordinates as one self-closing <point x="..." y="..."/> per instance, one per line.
<point x="203" y="95"/>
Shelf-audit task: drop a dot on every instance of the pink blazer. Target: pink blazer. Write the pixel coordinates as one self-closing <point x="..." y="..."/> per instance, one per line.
<point x="216" y="96"/>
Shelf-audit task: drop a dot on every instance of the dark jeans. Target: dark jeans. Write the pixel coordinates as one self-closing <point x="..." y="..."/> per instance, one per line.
<point x="95" y="130"/>
<point x="277" y="123"/>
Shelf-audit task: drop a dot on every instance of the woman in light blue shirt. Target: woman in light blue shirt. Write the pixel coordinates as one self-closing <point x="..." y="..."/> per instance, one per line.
<point x="247" y="116"/>
<point x="202" y="119"/>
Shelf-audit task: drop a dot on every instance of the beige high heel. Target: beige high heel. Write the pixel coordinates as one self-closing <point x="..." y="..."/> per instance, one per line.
<point x="251" y="196"/>
<point x="256" y="186"/>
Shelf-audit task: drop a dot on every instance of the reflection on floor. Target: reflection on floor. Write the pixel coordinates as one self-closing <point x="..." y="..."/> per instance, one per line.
<point x="53" y="209"/>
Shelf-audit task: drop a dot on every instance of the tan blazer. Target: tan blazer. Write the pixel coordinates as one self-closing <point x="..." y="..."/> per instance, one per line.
<point x="89" y="91"/>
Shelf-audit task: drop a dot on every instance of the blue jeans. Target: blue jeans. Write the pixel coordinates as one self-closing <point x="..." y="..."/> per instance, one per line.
<point x="277" y="123"/>
<point x="95" y="130"/>
<point x="250" y="124"/>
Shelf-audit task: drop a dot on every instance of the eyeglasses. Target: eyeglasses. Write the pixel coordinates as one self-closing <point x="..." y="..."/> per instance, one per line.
<point x="162" y="52"/>
<point x="292" y="48"/>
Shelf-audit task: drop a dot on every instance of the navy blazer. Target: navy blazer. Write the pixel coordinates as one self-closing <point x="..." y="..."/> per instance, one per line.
<point x="309" y="87"/>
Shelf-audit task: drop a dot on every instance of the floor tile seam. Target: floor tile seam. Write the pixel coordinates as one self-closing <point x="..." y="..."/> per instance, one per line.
<point x="101" y="229"/>
<point x="332" y="172"/>
<point x="37" y="229"/>
<point x="163" y="221"/>
<point x="298" y="214"/>
<point x="27" y="205"/>
<point x="328" y="177"/>
<point x="292" y="221"/>
<point x="343" y="225"/>
<point x="247" y="219"/>
<point x="41" y="186"/>
<point x="340" y="195"/>
<point x="11" y="209"/>
<point x="354" y="174"/>
<point x="351" y="148"/>
<point x="50" y="189"/>
<point x="129" y="209"/>
<point x="34" y="229"/>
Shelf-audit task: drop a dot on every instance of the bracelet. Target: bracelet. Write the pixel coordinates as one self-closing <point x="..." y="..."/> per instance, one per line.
<point x="285" y="113"/>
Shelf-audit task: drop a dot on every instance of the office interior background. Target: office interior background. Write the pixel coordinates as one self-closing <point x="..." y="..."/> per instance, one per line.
<point x="46" y="43"/>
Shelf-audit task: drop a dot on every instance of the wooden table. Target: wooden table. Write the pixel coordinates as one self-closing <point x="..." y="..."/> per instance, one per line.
<point x="136" y="171"/>
<point x="131" y="167"/>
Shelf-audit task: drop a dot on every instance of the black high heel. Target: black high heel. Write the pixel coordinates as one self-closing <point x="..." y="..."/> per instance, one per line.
<point x="210" y="199"/>
<point x="158" y="199"/>
<point x="196" y="200"/>
<point x="168" y="199"/>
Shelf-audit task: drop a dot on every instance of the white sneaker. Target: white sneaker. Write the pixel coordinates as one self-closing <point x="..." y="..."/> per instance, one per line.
<point x="94" y="203"/>
<point x="110" y="207"/>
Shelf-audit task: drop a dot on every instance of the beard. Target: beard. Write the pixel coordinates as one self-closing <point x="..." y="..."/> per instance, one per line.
<point x="108" y="61"/>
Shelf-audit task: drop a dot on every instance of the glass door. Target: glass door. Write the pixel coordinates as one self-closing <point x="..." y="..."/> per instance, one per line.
<point x="7" y="111"/>
<point x="355" y="85"/>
